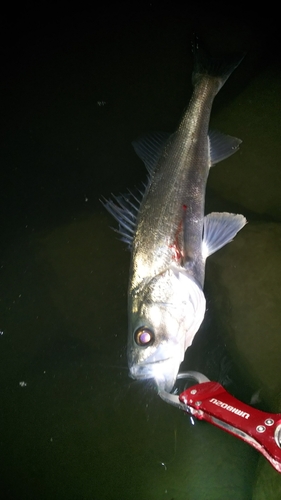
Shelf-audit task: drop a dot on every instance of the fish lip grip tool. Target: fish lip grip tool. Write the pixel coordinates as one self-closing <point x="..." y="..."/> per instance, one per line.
<point x="209" y="401"/>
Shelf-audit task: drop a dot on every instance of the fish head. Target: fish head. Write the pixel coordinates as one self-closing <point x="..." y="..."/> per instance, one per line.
<point x="164" y="316"/>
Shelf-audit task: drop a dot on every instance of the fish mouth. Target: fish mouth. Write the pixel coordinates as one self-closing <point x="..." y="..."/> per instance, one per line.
<point x="156" y="362"/>
<point x="142" y="371"/>
<point x="163" y="372"/>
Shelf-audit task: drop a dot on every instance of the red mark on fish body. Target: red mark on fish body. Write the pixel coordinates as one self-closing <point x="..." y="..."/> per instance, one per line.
<point x="177" y="254"/>
<point x="175" y="247"/>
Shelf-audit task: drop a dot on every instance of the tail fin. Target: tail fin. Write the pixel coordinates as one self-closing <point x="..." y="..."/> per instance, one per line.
<point x="218" y="67"/>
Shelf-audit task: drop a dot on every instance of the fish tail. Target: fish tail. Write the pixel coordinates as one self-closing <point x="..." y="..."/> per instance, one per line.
<point x="216" y="67"/>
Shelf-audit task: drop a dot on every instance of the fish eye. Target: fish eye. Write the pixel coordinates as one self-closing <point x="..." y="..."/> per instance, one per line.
<point x="144" y="337"/>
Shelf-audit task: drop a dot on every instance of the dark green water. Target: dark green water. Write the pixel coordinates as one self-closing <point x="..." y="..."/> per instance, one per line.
<point x="75" y="92"/>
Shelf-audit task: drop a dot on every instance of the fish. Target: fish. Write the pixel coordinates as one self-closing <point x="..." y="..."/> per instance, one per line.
<point x="169" y="235"/>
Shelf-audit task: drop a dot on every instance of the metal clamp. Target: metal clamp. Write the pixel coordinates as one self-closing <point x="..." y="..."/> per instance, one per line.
<point x="209" y="401"/>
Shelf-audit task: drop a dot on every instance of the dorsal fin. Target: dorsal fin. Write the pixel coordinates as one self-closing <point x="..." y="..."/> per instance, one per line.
<point x="150" y="147"/>
<point x="124" y="208"/>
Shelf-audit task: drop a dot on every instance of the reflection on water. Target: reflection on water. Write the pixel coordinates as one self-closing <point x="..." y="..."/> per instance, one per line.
<point x="74" y="425"/>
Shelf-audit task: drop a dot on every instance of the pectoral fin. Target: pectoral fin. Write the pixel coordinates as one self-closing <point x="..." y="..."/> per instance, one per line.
<point x="219" y="229"/>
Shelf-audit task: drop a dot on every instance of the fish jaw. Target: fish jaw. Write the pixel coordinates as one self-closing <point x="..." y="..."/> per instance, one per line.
<point x="172" y="308"/>
<point x="163" y="368"/>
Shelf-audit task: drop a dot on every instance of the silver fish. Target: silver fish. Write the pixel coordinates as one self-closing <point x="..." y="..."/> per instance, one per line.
<point x="169" y="235"/>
